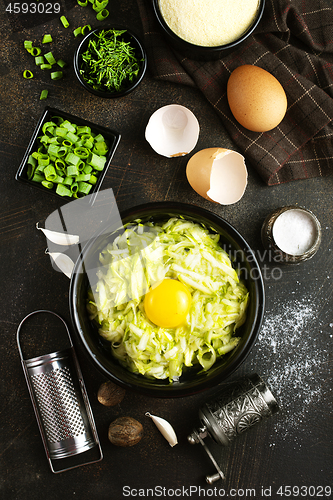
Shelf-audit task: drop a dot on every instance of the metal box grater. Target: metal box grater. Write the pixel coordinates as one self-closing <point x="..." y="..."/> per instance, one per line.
<point x="60" y="403"/>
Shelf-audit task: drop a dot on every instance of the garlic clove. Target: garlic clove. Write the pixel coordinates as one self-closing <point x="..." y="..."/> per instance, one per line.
<point x="62" y="261"/>
<point x="59" y="238"/>
<point x="165" y="429"/>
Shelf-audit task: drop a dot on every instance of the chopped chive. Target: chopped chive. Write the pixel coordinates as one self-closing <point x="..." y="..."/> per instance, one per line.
<point x="109" y="62"/>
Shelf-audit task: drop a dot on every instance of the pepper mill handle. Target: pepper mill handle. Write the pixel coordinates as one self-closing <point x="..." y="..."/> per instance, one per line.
<point x="196" y="437"/>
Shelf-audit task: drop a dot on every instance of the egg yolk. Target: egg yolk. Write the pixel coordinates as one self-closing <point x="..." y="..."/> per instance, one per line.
<point x="168" y="303"/>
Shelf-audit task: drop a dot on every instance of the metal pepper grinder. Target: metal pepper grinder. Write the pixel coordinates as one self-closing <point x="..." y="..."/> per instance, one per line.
<point x="231" y="412"/>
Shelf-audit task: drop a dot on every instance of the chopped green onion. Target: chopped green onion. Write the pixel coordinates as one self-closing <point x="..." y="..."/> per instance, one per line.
<point x="60" y="164"/>
<point x="60" y="161"/>
<point x="84" y="187"/>
<point x="82" y="177"/>
<point x="47" y="39"/>
<point x="83" y="130"/>
<point x="27" y="45"/>
<point x="69" y="126"/>
<point x="53" y="149"/>
<point x="56" y="75"/>
<point x="87" y="169"/>
<point x="61" y="63"/>
<point x="45" y="66"/>
<point x="27" y="74"/>
<point x="72" y="158"/>
<point x="50" y="173"/>
<point x="68" y="181"/>
<point x="72" y="137"/>
<point x="101" y="15"/>
<point x="43" y="95"/>
<point x="74" y="187"/>
<point x="38" y="178"/>
<point x="63" y="190"/>
<point x="77" y="31"/>
<point x="31" y="167"/>
<point x="64" y="21"/>
<point x="82" y="4"/>
<point x="39" y="60"/>
<point x="82" y="152"/>
<point x="98" y="6"/>
<point x="47" y="184"/>
<point x="35" y="51"/>
<point x="100" y="148"/>
<point x="72" y="171"/>
<point x="85" y="29"/>
<point x="50" y="59"/>
<point x="61" y="132"/>
<point x="97" y="162"/>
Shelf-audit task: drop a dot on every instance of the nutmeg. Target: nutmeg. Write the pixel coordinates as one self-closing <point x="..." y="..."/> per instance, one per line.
<point x="125" y="431"/>
<point x="110" y="394"/>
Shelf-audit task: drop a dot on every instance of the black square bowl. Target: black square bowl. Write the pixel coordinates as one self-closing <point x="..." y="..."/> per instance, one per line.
<point x="112" y="138"/>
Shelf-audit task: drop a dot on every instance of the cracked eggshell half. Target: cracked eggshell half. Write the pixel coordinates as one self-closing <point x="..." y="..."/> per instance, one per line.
<point x="172" y="130"/>
<point x="218" y="174"/>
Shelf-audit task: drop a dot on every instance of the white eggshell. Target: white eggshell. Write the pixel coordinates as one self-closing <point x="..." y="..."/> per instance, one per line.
<point x="218" y="174"/>
<point x="172" y="130"/>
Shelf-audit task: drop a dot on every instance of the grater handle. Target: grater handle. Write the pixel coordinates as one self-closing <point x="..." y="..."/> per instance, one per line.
<point x="31" y="314"/>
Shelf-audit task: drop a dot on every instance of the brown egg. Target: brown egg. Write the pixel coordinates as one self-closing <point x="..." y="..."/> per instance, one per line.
<point x="256" y="98"/>
<point x="218" y="174"/>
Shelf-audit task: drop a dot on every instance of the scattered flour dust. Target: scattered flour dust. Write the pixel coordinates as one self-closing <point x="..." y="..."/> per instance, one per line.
<point x="291" y="361"/>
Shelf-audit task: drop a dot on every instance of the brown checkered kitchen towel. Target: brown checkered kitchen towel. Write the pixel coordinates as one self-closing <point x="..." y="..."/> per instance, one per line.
<point x="294" y="42"/>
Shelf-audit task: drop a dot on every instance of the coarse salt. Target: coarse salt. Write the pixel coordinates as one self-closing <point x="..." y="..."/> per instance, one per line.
<point x="294" y="232"/>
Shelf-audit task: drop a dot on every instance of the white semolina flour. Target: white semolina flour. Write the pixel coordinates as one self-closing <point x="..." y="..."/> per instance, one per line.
<point x="209" y="24"/>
